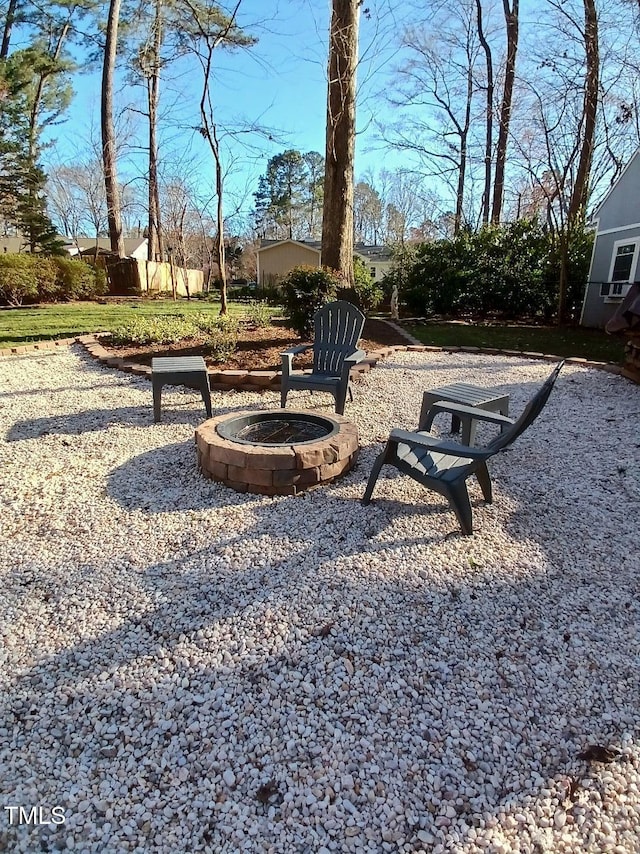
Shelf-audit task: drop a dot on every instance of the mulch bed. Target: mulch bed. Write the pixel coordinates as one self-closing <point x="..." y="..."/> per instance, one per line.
<point x="258" y="349"/>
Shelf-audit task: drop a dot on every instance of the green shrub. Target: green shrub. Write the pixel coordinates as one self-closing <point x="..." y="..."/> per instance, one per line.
<point x="31" y="278"/>
<point x="18" y="281"/>
<point x="510" y="271"/>
<point x="141" y="331"/>
<point x="79" y="281"/>
<point x="258" y="313"/>
<point x="366" y="294"/>
<point x="219" y="334"/>
<point x="304" y="291"/>
<point x="222" y="339"/>
<point x="46" y="275"/>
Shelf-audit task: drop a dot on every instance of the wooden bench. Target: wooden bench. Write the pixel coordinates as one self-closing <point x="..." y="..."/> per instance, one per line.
<point x="190" y="371"/>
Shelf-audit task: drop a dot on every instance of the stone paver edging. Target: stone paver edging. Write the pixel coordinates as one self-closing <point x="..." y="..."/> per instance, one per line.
<point x="277" y="469"/>
<point x="255" y="380"/>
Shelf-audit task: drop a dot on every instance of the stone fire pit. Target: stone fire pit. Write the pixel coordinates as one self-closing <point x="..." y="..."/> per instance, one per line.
<point x="276" y="452"/>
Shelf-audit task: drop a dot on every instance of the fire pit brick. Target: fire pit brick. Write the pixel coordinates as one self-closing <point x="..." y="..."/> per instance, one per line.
<point x="276" y="469"/>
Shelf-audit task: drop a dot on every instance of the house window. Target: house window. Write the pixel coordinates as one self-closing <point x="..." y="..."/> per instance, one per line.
<point x="623" y="267"/>
<point x="623" y="262"/>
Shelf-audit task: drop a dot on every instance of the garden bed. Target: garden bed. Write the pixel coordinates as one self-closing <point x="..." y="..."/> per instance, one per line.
<point x="257" y="350"/>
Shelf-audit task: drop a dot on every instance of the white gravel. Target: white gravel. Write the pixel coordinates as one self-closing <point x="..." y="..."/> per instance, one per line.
<point x="187" y="669"/>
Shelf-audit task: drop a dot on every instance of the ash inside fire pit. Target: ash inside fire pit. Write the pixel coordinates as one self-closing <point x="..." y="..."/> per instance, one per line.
<point x="265" y="428"/>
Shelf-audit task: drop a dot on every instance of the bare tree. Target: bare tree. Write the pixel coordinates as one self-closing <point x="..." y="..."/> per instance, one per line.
<point x="337" y="212"/>
<point x="511" y="13"/>
<point x="208" y="29"/>
<point x="77" y="200"/>
<point x="149" y="63"/>
<point x="108" y="133"/>
<point x="488" y="146"/>
<point x="434" y="95"/>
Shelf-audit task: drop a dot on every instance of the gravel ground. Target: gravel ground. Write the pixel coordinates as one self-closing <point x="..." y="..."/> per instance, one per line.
<point x="187" y="669"/>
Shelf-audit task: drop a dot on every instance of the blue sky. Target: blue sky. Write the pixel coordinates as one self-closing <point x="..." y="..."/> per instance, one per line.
<point x="279" y="83"/>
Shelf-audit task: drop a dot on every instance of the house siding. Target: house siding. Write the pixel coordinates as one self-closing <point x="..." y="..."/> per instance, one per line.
<point x="597" y="310"/>
<point x="622" y="205"/>
<point x="618" y="218"/>
<point x="276" y="261"/>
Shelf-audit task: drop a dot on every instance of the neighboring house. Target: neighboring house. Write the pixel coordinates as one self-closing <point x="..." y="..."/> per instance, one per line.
<point x="11" y="245"/>
<point x="275" y="258"/>
<point x="16" y="244"/>
<point x="614" y="260"/>
<point x="134" y="247"/>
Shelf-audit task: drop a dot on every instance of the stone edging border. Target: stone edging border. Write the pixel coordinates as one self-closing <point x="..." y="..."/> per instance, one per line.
<point x="256" y="380"/>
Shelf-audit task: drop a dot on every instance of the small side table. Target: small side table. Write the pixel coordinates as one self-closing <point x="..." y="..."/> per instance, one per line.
<point x="468" y="395"/>
<point x="190" y="371"/>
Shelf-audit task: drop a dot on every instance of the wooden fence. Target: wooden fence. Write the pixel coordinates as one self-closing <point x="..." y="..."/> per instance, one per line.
<point x="132" y="276"/>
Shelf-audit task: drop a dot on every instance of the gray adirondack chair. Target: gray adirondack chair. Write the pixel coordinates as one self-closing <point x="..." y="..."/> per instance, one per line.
<point x="337" y="329"/>
<point x="445" y="466"/>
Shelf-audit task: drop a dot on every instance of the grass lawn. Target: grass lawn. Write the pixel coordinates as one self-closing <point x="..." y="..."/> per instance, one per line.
<point x="558" y="341"/>
<point x="64" y="320"/>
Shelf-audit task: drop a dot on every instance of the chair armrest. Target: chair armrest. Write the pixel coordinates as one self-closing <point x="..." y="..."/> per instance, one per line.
<point x="425" y="440"/>
<point x="461" y="410"/>
<point x="287" y="357"/>
<point x="294" y="351"/>
<point x="354" y="358"/>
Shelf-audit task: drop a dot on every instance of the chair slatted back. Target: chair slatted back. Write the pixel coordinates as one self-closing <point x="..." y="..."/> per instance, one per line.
<point x="337" y="329"/>
<point x="529" y="414"/>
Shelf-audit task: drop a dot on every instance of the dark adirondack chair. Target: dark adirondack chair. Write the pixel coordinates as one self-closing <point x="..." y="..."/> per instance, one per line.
<point x="337" y="329"/>
<point x="444" y="466"/>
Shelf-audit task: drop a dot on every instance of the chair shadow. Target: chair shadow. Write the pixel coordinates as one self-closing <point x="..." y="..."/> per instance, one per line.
<point x="189" y="411"/>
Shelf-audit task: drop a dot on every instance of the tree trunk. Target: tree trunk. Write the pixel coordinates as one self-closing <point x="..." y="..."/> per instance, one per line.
<point x="578" y="200"/>
<point x="462" y="167"/>
<point x="219" y="241"/>
<point x="511" y="22"/>
<point x="580" y="190"/>
<point x="114" y="216"/>
<point x="154" y="246"/>
<point x="337" y="211"/>
<point x="488" y="146"/>
<point x="8" y="26"/>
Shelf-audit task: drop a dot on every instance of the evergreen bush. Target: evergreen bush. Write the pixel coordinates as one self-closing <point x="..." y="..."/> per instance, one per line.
<point x="304" y="291"/>
<point x="39" y="278"/>
<point x="365" y="294"/>
<point x="76" y="280"/>
<point x="511" y="271"/>
<point x="219" y="334"/>
<point x="18" y="281"/>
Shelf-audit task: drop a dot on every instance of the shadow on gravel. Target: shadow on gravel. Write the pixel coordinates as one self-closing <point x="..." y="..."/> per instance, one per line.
<point x="313" y="638"/>
<point x="206" y="644"/>
<point x="93" y="420"/>
<point x="187" y="411"/>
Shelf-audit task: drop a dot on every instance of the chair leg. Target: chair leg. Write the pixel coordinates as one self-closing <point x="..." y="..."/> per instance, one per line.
<point x="284" y="391"/>
<point x="459" y="499"/>
<point x="373" y="477"/>
<point x="157" y="396"/>
<point x="340" y="397"/>
<point x="482" y="473"/>
<point x="350" y="392"/>
<point x="206" y="395"/>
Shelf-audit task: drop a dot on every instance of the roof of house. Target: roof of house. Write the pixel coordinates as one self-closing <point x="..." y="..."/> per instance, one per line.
<point x="366" y="251"/>
<point x="308" y="244"/>
<point x="612" y="189"/>
<point x="86" y="244"/>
